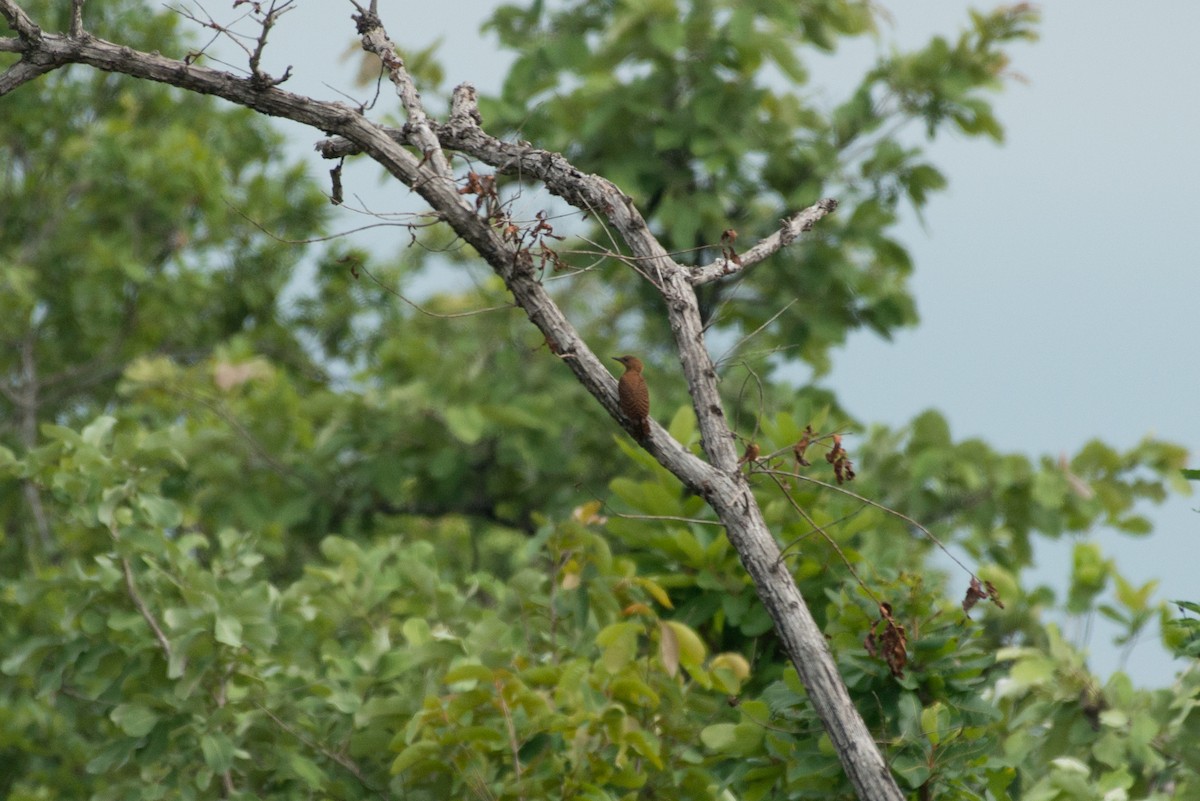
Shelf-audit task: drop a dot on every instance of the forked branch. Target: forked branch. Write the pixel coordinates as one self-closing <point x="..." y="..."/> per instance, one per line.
<point x="428" y="173"/>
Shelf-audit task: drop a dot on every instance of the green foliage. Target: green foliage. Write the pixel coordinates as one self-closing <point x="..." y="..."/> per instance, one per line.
<point x="1182" y="635"/>
<point x="339" y="547"/>
<point x="168" y="658"/>
<point x="933" y="721"/>
<point x="964" y="718"/>
<point x="1093" y="739"/>
<point x="133" y="220"/>
<point x="720" y="142"/>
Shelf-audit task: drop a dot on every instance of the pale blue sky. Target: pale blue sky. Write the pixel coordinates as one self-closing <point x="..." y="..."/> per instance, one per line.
<point x="1057" y="278"/>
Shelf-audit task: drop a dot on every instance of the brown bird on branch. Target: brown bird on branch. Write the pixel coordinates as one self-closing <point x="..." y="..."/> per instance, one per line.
<point x="633" y="394"/>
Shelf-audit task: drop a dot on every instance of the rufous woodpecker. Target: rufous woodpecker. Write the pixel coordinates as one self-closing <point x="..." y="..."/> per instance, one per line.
<point x="633" y="395"/>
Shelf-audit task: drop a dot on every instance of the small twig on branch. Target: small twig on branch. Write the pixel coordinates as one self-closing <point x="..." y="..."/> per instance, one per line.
<point x="882" y="507"/>
<point x="341" y="759"/>
<point x="514" y="743"/>
<point x="376" y="40"/>
<point x="825" y="534"/>
<point x="76" y="28"/>
<point x="29" y="36"/>
<point x="791" y="228"/>
<point x="732" y="348"/>
<point x="143" y="610"/>
<point x="218" y="29"/>
<point x="673" y="518"/>
<point x="19" y="21"/>
<point x="267" y="22"/>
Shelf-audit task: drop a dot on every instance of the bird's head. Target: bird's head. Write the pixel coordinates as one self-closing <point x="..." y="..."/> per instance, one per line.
<point x="631" y="363"/>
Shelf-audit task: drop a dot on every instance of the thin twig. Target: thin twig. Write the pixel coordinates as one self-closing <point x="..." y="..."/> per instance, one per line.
<point x="816" y="527"/>
<point x="746" y="338"/>
<point x="789" y="229"/>
<point x="512" y="737"/>
<point x="377" y="41"/>
<point x="378" y="282"/>
<point x="877" y="505"/>
<point x="341" y="759"/>
<point x="762" y="399"/>
<point x="674" y="518"/>
<point x="147" y="615"/>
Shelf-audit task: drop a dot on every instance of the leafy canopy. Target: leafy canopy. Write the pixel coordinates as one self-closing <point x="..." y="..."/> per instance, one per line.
<point x="333" y="546"/>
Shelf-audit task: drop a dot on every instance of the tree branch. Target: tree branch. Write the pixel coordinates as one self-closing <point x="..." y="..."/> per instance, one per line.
<point x="792" y="227"/>
<point x="19" y="21"/>
<point x="28" y="36"/>
<point x="721" y="484"/>
<point x="143" y="610"/>
<point x="21" y="72"/>
<point x="346" y="762"/>
<point x="77" y="18"/>
<point x="719" y="480"/>
<point x="375" y="40"/>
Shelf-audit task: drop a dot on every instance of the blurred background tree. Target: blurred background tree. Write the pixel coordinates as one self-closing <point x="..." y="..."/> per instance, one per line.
<point x="269" y="535"/>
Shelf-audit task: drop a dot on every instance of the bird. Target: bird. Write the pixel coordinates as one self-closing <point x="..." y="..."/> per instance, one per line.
<point x="633" y="395"/>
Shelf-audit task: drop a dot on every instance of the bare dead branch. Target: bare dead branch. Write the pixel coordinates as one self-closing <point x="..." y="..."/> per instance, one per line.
<point x="376" y="40"/>
<point x="19" y="21"/>
<point x="463" y="133"/>
<point x="790" y="229"/>
<point x="76" y="28"/>
<point x="268" y="21"/>
<point x="28" y="36"/>
<point x="21" y="72"/>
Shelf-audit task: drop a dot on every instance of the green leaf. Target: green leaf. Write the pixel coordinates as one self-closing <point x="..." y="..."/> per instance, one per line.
<point x="416" y="631"/>
<point x="683" y="424"/>
<point x="136" y="720"/>
<point x="466" y="423"/>
<point x="218" y="751"/>
<point x="912" y="768"/>
<point x="619" y="644"/>
<point x="8" y="461"/>
<point x="646" y="745"/>
<point x="228" y="630"/>
<point x="634" y="691"/>
<point x="307" y="771"/>
<point x="159" y="511"/>
<point x="111" y="756"/>
<point x="719" y="737"/>
<point x="469" y="672"/>
<point x="733" y="739"/>
<point x="692" y="651"/>
<point x="98" y="433"/>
